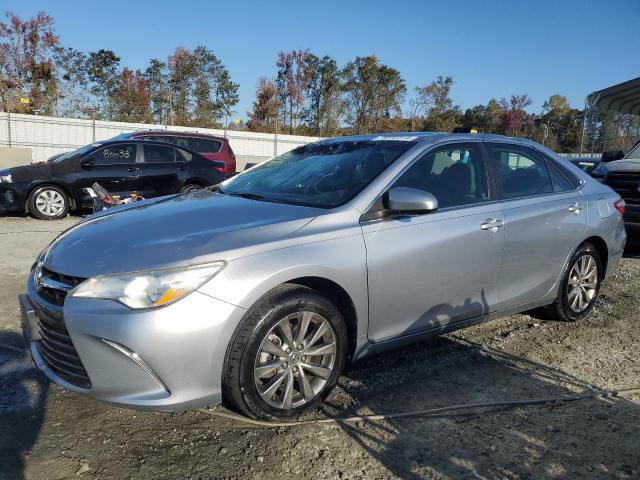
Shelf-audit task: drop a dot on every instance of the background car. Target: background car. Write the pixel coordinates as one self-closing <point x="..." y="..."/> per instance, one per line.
<point x="209" y="146"/>
<point x="588" y="164"/>
<point x="622" y="173"/>
<point x="151" y="169"/>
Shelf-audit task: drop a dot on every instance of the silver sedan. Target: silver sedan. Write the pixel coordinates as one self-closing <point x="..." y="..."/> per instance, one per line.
<point x="259" y="292"/>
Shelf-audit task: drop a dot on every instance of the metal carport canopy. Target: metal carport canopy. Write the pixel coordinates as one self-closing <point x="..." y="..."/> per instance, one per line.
<point x="621" y="98"/>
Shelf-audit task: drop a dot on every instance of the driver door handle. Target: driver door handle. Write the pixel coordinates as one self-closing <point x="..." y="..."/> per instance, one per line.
<point x="492" y="224"/>
<point x="576" y="207"/>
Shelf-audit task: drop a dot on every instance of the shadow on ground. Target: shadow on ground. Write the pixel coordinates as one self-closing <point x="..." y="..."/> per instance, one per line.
<point x="23" y="394"/>
<point x="590" y="437"/>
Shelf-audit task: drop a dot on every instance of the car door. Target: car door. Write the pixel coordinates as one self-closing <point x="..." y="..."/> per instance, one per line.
<point x="427" y="271"/>
<point x="160" y="172"/>
<point x="113" y="166"/>
<point x="545" y="216"/>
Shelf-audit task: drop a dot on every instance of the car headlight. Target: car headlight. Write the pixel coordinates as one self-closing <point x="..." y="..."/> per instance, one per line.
<point x="5" y="178"/>
<point x="147" y="289"/>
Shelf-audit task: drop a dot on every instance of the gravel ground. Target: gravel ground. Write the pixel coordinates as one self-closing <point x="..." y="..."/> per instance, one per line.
<point x="46" y="432"/>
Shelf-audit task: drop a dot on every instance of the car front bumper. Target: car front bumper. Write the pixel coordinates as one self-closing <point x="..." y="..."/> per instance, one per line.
<point x="11" y="198"/>
<point x="169" y="358"/>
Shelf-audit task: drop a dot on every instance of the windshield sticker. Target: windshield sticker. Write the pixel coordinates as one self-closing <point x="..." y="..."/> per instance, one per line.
<point x="392" y="139"/>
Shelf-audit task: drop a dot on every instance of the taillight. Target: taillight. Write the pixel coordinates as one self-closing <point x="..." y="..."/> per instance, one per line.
<point x="620" y="205"/>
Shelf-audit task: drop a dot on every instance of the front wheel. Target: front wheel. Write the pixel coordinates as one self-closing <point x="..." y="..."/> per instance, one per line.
<point x="48" y="203"/>
<point x="287" y="354"/>
<point x="580" y="286"/>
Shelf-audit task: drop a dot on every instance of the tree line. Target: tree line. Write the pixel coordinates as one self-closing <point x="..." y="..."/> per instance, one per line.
<point x="310" y="94"/>
<point x="38" y="75"/>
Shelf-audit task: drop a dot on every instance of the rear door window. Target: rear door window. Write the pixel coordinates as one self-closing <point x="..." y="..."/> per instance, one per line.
<point x="205" y="145"/>
<point x="520" y="171"/>
<point x="159" y="154"/>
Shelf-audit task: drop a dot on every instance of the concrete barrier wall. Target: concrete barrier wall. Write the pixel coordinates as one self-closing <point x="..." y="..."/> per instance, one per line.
<point x="14" y="157"/>
<point x="46" y="136"/>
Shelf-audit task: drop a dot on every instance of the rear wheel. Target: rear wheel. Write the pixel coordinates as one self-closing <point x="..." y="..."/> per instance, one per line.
<point x="580" y="286"/>
<point x="287" y="354"/>
<point x="48" y="203"/>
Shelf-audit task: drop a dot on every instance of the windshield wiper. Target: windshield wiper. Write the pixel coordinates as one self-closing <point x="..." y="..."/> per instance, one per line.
<point x="249" y="195"/>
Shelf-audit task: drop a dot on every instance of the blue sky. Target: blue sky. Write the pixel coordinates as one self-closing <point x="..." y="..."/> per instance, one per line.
<point x="492" y="48"/>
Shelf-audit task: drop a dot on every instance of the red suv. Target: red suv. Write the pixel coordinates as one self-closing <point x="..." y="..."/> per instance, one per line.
<point x="209" y="146"/>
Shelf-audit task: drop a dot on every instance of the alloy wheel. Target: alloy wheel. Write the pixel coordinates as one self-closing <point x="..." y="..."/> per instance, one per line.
<point x="50" y="203"/>
<point x="295" y="360"/>
<point x="583" y="283"/>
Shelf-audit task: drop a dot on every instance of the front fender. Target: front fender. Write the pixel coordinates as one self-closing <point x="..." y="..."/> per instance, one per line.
<point x="341" y="260"/>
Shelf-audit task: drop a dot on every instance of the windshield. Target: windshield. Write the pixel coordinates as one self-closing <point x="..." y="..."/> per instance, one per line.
<point x="323" y="175"/>
<point x="634" y="153"/>
<point x="73" y="153"/>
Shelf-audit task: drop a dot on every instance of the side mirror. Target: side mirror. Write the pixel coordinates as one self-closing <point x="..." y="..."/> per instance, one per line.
<point x="612" y="155"/>
<point x="409" y="200"/>
<point x="87" y="163"/>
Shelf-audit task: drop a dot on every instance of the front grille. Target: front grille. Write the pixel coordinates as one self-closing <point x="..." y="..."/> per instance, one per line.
<point x="626" y="185"/>
<point x="57" y="350"/>
<point x="55" y="291"/>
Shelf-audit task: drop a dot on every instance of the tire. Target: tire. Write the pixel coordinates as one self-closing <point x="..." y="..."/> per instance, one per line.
<point x="190" y="187"/>
<point x="48" y="202"/>
<point x="258" y="371"/>
<point x="570" y="307"/>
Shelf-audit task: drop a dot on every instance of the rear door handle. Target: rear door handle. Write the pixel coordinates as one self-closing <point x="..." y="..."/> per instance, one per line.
<point x="576" y="207"/>
<point x="133" y="169"/>
<point x="492" y="224"/>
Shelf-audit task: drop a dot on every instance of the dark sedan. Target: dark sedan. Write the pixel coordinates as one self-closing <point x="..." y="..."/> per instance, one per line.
<point x="151" y="169"/>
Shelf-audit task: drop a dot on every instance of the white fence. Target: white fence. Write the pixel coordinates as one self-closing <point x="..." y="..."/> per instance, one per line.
<point x="46" y="136"/>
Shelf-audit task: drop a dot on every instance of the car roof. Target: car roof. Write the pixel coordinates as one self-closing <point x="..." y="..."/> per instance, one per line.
<point x="175" y="133"/>
<point x="433" y="137"/>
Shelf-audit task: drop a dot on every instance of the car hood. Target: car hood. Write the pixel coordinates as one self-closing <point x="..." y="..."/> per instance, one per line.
<point x="34" y="171"/>
<point x="624" y="165"/>
<point x="172" y="231"/>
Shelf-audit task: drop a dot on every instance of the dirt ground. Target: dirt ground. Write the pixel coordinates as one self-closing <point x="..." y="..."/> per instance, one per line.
<point x="47" y="433"/>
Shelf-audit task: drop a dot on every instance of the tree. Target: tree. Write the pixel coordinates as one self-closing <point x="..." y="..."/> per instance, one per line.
<point x="493" y="117"/>
<point x="103" y="73"/>
<point x="215" y="94"/>
<point x="434" y="100"/>
<point x="26" y="64"/>
<point x="324" y="92"/>
<point x="265" y="107"/>
<point x="373" y="94"/>
<point x="74" y="99"/>
<point x="293" y="79"/>
<point x="182" y="68"/>
<point x="202" y="92"/>
<point x="157" y="78"/>
<point x="132" y="99"/>
<point x="514" y="115"/>
<point x="557" y="120"/>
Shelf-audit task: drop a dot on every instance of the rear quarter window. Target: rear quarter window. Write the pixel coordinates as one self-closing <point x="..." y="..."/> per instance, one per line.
<point x="205" y="145"/>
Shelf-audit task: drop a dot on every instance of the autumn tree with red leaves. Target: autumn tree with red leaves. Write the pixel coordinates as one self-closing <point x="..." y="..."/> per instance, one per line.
<point x="514" y="115"/>
<point x="132" y="99"/>
<point x="265" y="107"/>
<point x="27" y="72"/>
